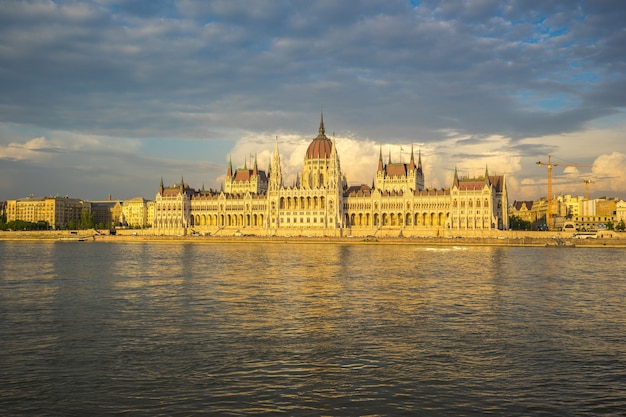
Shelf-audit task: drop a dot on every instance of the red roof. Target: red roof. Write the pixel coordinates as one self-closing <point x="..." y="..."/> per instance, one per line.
<point x="396" y="170"/>
<point x="320" y="148"/>
<point x="243" y="175"/>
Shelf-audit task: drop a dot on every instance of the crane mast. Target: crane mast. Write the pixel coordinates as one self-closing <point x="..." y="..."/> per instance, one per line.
<point x="587" y="182"/>
<point x="550" y="164"/>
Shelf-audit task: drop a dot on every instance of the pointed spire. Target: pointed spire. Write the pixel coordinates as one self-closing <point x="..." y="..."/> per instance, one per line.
<point x="380" y="160"/>
<point x="412" y="163"/>
<point x="322" y="131"/>
<point x="389" y="157"/>
<point x="456" y="177"/>
<point x="229" y="172"/>
<point x="487" y="181"/>
<point x="419" y="160"/>
<point x="161" y="187"/>
<point x="255" y="169"/>
<point x="276" y="177"/>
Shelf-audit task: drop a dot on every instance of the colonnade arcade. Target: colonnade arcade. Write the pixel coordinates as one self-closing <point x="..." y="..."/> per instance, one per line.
<point x="227" y="220"/>
<point x="424" y="219"/>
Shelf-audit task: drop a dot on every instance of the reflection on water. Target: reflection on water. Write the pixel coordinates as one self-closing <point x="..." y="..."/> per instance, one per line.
<point x="313" y="329"/>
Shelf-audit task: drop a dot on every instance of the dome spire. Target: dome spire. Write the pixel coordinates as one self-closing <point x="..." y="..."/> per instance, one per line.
<point x="322" y="131"/>
<point x="321" y="146"/>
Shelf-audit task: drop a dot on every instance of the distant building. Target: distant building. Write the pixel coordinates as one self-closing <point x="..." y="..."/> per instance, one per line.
<point x="620" y="211"/>
<point x="106" y="213"/>
<point x="524" y="210"/>
<point x="150" y="209"/>
<point x="577" y="210"/>
<point x="58" y="212"/>
<point x="320" y="203"/>
<point x="135" y="212"/>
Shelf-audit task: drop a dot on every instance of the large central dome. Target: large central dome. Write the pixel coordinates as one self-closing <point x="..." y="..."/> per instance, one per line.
<point x="321" y="146"/>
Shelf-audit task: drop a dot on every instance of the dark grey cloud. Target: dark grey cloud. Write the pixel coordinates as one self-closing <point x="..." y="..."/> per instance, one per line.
<point x="385" y="70"/>
<point x="91" y="65"/>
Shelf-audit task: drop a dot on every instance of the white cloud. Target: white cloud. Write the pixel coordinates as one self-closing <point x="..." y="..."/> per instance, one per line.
<point x="35" y="149"/>
<point x="609" y="173"/>
<point x="107" y="81"/>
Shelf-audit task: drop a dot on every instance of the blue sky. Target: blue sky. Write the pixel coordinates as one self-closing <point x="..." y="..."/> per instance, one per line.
<point x="106" y="97"/>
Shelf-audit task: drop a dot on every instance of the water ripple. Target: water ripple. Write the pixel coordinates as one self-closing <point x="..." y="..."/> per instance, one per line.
<point x="180" y="329"/>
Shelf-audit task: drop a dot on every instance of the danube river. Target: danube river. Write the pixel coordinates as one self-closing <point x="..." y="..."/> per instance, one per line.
<point x="178" y="329"/>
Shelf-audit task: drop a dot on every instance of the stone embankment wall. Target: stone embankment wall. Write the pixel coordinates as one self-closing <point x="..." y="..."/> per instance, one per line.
<point x="499" y="238"/>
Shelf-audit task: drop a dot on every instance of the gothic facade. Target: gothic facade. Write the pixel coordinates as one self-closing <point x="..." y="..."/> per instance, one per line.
<point x="321" y="203"/>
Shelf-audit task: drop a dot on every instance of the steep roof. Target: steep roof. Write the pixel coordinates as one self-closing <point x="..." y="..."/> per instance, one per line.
<point x="518" y="205"/>
<point x="498" y="182"/>
<point x="358" y="191"/>
<point x="396" y="170"/>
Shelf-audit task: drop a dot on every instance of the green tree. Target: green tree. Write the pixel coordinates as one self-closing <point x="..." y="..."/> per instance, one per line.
<point x="3" y="222"/>
<point x="86" y="219"/>
<point x="610" y="225"/>
<point x="621" y="225"/>
<point x="517" y="223"/>
<point x="21" y="225"/>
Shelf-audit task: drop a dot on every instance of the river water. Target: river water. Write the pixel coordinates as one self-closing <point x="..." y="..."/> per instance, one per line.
<point x="177" y="329"/>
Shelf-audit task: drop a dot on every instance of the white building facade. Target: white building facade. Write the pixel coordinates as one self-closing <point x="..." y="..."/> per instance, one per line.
<point x="322" y="204"/>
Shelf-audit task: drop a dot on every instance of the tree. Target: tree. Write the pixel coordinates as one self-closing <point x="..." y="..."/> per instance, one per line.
<point x="86" y="219"/>
<point x="517" y="223"/>
<point x="21" y="225"/>
<point x="621" y="225"/>
<point x="610" y="225"/>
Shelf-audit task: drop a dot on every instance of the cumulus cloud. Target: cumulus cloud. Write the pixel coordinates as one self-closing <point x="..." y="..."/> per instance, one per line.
<point x="610" y="171"/>
<point x="512" y="81"/>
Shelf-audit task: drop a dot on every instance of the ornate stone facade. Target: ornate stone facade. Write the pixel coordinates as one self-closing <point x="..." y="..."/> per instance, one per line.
<point x="322" y="204"/>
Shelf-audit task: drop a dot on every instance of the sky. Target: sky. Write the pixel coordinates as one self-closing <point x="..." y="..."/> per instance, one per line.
<point x="106" y="97"/>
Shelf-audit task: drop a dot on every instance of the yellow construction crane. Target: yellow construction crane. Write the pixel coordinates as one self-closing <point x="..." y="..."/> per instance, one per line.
<point x="587" y="182"/>
<point x="550" y="164"/>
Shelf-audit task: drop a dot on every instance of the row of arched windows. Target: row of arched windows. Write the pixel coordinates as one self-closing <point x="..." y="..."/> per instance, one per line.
<point x="226" y="220"/>
<point x="396" y="219"/>
<point x="304" y="203"/>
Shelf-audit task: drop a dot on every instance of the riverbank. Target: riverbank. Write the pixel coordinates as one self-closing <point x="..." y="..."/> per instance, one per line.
<point x="550" y="239"/>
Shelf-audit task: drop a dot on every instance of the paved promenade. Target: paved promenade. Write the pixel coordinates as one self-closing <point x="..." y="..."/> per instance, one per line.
<point x="519" y="239"/>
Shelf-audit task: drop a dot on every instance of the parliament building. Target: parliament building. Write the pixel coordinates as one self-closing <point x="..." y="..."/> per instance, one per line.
<point x="320" y="203"/>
